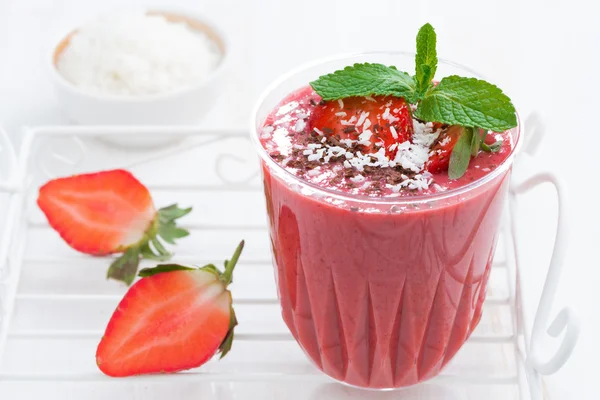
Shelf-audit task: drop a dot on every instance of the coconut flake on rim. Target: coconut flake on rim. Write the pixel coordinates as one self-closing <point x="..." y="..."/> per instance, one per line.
<point x="286" y="108"/>
<point x="300" y="125"/>
<point x="358" y="178"/>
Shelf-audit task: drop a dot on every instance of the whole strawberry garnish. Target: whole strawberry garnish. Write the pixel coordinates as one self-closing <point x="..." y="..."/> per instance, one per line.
<point x="372" y="122"/>
<point x="110" y="212"/>
<point x="174" y="318"/>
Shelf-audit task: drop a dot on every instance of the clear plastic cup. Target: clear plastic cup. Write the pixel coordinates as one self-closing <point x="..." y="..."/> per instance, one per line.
<point x="379" y="292"/>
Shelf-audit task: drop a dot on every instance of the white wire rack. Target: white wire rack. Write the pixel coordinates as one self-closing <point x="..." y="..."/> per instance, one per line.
<point x="55" y="303"/>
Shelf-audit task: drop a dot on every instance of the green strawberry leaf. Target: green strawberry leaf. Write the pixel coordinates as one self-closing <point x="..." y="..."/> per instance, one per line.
<point x="461" y="155"/>
<point x="228" y="341"/>
<point x="160" y="248"/>
<point x="426" y="58"/>
<point x="212" y="268"/>
<point x="147" y="253"/>
<point x="159" y="269"/>
<point x="170" y="231"/>
<point x="467" y="102"/>
<point x="172" y="212"/>
<point x="364" y="80"/>
<point x="125" y="267"/>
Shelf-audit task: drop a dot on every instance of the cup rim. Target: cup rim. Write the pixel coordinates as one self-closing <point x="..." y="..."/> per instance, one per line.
<point x="63" y="82"/>
<point x="419" y="198"/>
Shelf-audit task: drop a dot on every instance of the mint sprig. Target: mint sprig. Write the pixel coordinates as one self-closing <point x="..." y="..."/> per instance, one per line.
<point x="461" y="154"/>
<point x="425" y="59"/>
<point x="468" y="102"/>
<point x="365" y="80"/>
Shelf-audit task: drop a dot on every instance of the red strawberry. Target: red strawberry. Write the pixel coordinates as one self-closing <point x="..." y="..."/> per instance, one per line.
<point x="439" y="158"/>
<point x="388" y="118"/>
<point x="110" y="212"/>
<point x="173" y="319"/>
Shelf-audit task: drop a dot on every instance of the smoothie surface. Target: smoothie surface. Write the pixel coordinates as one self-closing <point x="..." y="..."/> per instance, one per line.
<point x="320" y="159"/>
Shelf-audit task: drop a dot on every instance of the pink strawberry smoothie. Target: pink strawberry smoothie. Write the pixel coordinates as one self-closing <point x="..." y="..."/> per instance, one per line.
<point x="380" y="282"/>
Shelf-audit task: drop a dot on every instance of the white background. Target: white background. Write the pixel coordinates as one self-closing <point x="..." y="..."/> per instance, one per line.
<point x="544" y="54"/>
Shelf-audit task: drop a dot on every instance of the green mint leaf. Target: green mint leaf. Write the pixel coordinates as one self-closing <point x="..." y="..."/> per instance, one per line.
<point x="492" y="148"/>
<point x="467" y="102"/>
<point x="125" y="267"/>
<point x="422" y="90"/>
<point x="483" y="136"/>
<point x="461" y="155"/>
<point x="475" y="142"/>
<point x="364" y="80"/>
<point x="426" y="58"/>
<point x="159" y="269"/>
<point x="496" y="146"/>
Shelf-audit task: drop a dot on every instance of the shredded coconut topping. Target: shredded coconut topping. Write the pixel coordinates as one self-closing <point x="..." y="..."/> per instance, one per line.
<point x="366" y="124"/>
<point x="360" y="155"/>
<point x="300" y="125"/>
<point x="358" y="178"/>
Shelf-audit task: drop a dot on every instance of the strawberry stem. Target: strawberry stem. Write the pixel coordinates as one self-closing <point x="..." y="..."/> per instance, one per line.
<point x="227" y="276"/>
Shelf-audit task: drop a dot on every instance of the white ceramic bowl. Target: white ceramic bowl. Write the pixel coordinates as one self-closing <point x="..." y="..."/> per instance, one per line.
<point x="179" y="107"/>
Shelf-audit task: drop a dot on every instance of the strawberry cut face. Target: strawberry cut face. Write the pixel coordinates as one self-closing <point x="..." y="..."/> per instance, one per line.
<point x="166" y="323"/>
<point x="99" y="213"/>
<point x="174" y="318"/>
<point x="373" y="122"/>
<point x="439" y="156"/>
<point x="111" y="212"/>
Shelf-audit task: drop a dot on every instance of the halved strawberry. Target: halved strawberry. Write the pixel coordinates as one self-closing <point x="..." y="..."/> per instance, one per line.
<point x="110" y="212"/>
<point x="378" y="119"/>
<point x="439" y="155"/>
<point x="173" y="319"/>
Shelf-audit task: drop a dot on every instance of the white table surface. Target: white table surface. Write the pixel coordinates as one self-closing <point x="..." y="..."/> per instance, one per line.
<point x="542" y="53"/>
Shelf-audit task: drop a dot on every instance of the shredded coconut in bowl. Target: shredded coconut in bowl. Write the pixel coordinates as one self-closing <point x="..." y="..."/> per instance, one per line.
<point x="137" y="55"/>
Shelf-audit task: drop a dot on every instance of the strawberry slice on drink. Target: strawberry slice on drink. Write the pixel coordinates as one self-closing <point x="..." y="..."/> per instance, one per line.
<point x="111" y="212"/>
<point x="439" y="155"/>
<point x="373" y="122"/>
<point x="174" y="318"/>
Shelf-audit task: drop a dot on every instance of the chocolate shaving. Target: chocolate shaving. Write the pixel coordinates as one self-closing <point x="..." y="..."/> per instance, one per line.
<point x="338" y="174"/>
<point x="277" y="156"/>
